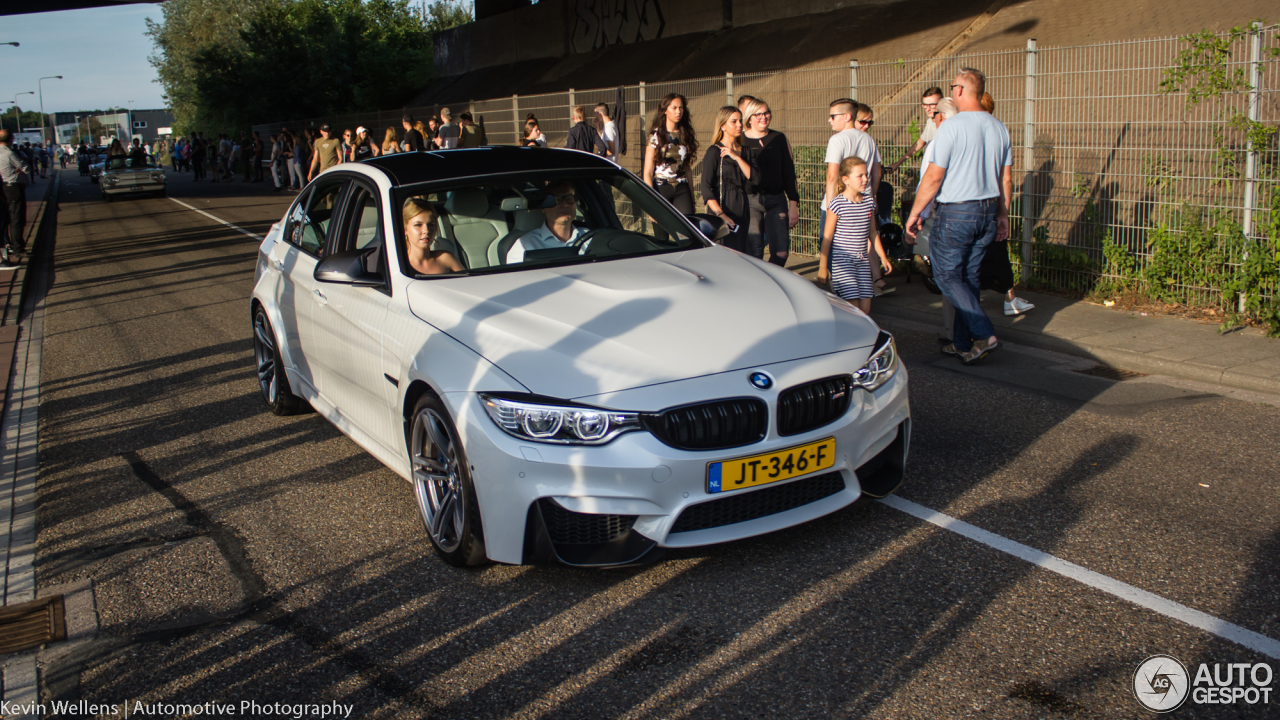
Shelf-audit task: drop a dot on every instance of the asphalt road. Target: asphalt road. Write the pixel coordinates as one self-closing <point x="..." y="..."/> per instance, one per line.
<point x="238" y="556"/>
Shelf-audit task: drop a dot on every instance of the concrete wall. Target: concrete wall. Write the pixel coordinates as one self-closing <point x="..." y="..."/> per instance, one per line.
<point x="525" y="33"/>
<point x="751" y="12"/>
<point x="556" y="28"/>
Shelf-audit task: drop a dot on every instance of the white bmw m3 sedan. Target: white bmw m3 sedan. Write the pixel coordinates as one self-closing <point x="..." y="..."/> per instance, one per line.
<point x="564" y="367"/>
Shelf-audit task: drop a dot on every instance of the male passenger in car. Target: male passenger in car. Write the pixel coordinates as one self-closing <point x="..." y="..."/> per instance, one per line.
<point x="137" y="154"/>
<point x="558" y="231"/>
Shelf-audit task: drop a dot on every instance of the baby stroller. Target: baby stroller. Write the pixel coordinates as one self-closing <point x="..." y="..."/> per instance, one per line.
<point x="892" y="236"/>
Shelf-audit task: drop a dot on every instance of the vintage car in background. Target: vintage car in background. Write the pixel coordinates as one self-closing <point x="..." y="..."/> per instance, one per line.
<point x="130" y="175"/>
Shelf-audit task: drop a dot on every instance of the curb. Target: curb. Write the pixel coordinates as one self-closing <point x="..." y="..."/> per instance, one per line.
<point x="1110" y="356"/>
<point x="18" y="427"/>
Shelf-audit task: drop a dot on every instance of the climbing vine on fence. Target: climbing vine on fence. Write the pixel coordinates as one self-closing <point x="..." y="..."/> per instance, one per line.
<point x="1193" y="251"/>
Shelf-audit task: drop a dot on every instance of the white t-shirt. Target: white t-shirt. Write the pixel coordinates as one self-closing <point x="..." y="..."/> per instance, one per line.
<point x="610" y="137"/>
<point x="924" y="164"/>
<point x="851" y="142"/>
<point x="929" y="132"/>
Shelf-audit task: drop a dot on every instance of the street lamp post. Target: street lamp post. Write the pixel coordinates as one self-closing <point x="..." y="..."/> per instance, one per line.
<point x="43" y="120"/>
<point x="10" y="43"/>
<point x="130" y="122"/>
<point x="17" y="119"/>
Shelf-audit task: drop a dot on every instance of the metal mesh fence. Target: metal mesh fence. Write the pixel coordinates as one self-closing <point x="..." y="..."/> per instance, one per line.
<point x="1101" y="157"/>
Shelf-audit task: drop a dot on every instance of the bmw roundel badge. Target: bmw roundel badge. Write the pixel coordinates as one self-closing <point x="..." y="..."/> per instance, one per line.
<point x="761" y="380"/>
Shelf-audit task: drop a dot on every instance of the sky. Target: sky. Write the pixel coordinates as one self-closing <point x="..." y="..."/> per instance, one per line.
<point x="100" y="52"/>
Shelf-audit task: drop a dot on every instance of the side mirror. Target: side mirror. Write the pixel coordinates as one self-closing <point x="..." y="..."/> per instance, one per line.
<point x="348" y="268"/>
<point x="713" y="226"/>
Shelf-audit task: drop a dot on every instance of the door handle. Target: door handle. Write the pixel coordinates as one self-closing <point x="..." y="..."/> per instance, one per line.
<point x="320" y="298"/>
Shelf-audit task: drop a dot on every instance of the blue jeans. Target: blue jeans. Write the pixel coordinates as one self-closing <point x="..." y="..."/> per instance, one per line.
<point x="959" y="238"/>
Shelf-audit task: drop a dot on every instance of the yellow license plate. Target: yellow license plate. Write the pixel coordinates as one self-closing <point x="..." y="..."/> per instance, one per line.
<point x="783" y="464"/>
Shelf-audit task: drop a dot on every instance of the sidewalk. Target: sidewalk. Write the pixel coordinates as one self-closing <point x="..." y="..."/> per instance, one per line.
<point x="1149" y="344"/>
<point x="22" y="326"/>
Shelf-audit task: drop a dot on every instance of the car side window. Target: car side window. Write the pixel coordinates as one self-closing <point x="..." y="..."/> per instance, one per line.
<point x="310" y="231"/>
<point x="364" y="221"/>
<point x="297" y="218"/>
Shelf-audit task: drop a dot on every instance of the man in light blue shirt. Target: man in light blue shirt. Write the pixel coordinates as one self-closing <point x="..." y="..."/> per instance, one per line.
<point x="971" y="178"/>
<point x="558" y="231"/>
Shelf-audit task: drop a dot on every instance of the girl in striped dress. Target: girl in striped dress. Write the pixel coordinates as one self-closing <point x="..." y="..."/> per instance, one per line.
<point x="850" y="236"/>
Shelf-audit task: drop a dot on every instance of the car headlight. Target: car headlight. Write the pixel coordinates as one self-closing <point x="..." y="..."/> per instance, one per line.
<point x="881" y="366"/>
<point x="559" y="424"/>
<point x="111" y="179"/>
<point x="157" y="177"/>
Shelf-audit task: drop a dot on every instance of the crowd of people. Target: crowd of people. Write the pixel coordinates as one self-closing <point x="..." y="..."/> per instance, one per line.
<point x="746" y="177"/>
<point x="959" y="219"/>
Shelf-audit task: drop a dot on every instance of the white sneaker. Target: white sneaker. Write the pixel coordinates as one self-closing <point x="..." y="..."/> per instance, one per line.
<point x="1017" y="306"/>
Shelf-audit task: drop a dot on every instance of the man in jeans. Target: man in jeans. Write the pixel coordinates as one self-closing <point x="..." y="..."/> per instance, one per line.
<point x="15" y="180"/>
<point x="971" y="178"/>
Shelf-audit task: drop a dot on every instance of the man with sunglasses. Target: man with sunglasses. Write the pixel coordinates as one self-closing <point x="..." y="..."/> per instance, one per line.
<point x="970" y="175"/>
<point x="929" y="102"/>
<point x="558" y="231"/>
<point x="848" y="140"/>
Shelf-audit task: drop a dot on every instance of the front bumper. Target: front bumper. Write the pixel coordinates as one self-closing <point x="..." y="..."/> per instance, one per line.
<point x="619" y="503"/>
<point x="131" y="188"/>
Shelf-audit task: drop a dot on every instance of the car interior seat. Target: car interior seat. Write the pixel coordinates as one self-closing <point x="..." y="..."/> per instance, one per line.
<point x="472" y="224"/>
<point x="525" y="221"/>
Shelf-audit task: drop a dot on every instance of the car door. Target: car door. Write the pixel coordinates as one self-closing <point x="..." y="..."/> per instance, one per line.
<point x="306" y="236"/>
<point x="351" y="321"/>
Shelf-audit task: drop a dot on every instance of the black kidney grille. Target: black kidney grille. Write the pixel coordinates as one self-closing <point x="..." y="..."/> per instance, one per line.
<point x="758" y="504"/>
<point x="812" y="405"/>
<point x="711" y="425"/>
<point x="566" y="527"/>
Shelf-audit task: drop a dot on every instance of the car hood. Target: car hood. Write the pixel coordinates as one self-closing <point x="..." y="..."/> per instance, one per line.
<point x="586" y="329"/>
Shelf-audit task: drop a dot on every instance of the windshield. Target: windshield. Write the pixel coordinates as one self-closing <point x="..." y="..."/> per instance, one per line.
<point x="492" y="225"/>
<point x="125" y="162"/>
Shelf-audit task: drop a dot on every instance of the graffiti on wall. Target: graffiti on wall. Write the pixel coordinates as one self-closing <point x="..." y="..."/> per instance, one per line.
<point x="601" y="23"/>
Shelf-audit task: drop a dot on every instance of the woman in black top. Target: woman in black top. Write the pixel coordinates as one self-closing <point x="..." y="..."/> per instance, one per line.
<point x="671" y="148"/>
<point x="362" y="148"/>
<point x="728" y="178"/>
<point x="775" y="207"/>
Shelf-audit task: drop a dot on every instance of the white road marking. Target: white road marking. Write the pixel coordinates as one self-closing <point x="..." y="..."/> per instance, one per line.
<point x="1170" y="609"/>
<point x="215" y="217"/>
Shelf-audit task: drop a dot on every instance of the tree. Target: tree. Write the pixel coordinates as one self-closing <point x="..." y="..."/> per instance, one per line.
<point x="29" y="118"/>
<point x="441" y="15"/>
<point x="293" y="59"/>
<point x="189" y="29"/>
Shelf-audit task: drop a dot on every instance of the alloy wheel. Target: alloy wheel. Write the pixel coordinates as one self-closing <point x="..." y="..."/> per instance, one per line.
<point x="264" y="355"/>
<point x="437" y="483"/>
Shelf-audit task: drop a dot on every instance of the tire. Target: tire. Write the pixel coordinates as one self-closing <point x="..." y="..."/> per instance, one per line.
<point x="273" y="382"/>
<point x="442" y="486"/>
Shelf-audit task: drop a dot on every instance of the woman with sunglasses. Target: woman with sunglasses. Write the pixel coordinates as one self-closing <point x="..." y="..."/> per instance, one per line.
<point x="775" y="206"/>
